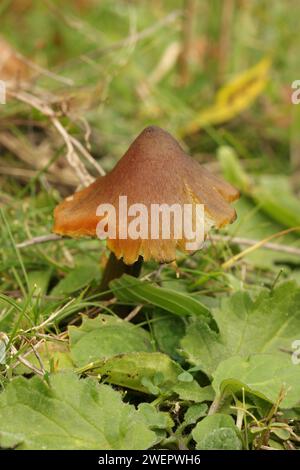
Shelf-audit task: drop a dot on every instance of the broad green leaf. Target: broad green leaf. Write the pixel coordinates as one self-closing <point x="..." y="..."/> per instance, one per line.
<point x="194" y="413"/>
<point x="221" y="439"/>
<point x="275" y="445"/>
<point x="168" y="329"/>
<point x="218" y="432"/>
<point x="232" y="169"/>
<point x="155" y="419"/>
<point x="202" y="346"/>
<point x="146" y="372"/>
<point x="130" y="289"/>
<point x="185" y="376"/>
<point x="129" y="370"/>
<point x="192" y="391"/>
<point x="78" y="278"/>
<point x="283" y="434"/>
<point x="39" y="280"/>
<point x="69" y="414"/>
<point x="106" y="336"/>
<point x="264" y="375"/>
<point x="284" y="209"/>
<point x="268" y="324"/>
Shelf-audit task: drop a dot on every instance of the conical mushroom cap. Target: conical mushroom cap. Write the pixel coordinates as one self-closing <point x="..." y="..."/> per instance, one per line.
<point x="154" y="170"/>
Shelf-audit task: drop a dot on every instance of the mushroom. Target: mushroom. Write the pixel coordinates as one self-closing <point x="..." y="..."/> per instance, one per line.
<point x="154" y="171"/>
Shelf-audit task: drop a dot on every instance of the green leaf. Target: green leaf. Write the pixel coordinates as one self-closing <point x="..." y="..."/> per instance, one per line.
<point x="168" y="330"/>
<point x="69" y="414"/>
<point x="39" y="280"/>
<point x="78" y="278"/>
<point x="159" y="422"/>
<point x="129" y="370"/>
<point x="264" y="375"/>
<point x="221" y="439"/>
<point x="284" y="209"/>
<point x="155" y="419"/>
<point x="232" y="169"/>
<point x="130" y="289"/>
<point x="202" y="346"/>
<point x="146" y="372"/>
<point x="106" y="336"/>
<point x="185" y="376"/>
<point x="192" y="391"/>
<point x="194" y="413"/>
<point x="283" y="434"/>
<point x="240" y="321"/>
<point x="275" y="445"/>
<point x="218" y="432"/>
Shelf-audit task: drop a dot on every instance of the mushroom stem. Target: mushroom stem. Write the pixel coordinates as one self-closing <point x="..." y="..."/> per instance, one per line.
<point x="115" y="268"/>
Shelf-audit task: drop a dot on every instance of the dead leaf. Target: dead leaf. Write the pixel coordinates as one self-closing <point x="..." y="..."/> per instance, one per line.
<point x="232" y="99"/>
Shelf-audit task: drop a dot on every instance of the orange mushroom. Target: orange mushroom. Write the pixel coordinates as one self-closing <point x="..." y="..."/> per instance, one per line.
<point x="154" y="171"/>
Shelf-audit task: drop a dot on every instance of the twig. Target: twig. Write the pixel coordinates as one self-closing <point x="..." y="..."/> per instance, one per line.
<point x="217" y="238"/>
<point x="133" y="313"/>
<point x="71" y="143"/>
<point x="35" y="352"/>
<point x="45" y="109"/>
<point x="87" y="155"/>
<point x="72" y="157"/>
<point x="37" y="240"/>
<point x="25" y="174"/>
<point x="19" y="357"/>
<point x="26" y="363"/>
<point x="42" y="71"/>
<point x="259" y="244"/>
<point x="251" y="242"/>
<point x="87" y="131"/>
<point x="51" y="318"/>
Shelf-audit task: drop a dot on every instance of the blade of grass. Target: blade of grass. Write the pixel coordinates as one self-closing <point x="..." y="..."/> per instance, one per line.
<point x="14" y="245"/>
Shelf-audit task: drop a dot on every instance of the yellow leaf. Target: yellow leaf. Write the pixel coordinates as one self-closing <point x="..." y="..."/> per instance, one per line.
<point x="233" y="98"/>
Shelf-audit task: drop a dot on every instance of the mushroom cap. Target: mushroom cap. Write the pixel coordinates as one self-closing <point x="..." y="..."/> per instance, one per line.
<point x="154" y="170"/>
